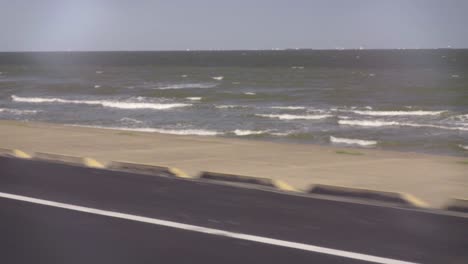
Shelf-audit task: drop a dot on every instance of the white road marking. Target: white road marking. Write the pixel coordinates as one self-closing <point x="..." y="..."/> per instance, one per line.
<point x="211" y="231"/>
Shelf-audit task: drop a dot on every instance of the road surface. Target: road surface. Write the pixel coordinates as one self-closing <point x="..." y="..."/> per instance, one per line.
<point x="55" y="213"/>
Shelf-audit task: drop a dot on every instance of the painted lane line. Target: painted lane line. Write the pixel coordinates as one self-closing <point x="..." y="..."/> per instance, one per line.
<point x="205" y="230"/>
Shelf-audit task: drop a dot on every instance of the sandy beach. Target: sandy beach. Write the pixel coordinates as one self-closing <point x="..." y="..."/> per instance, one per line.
<point x="435" y="179"/>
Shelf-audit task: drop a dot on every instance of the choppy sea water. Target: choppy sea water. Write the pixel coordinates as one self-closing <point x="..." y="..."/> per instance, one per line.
<point x="396" y="100"/>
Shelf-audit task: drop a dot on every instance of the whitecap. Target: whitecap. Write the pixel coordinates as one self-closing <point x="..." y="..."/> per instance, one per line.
<point x="99" y="72"/>
<point x="379" y="123"/>
<point x="131" y="120"/>
<point x="240" y="132"/>
<point x="351" y="141"/>
<point x="230" y="106"/>
<point x="294" y="117"/>
<point x="193" y="98"/>
<point x="181" y="132"/>
<point x="97" y="86"/>
<point x="187" y="86"/>
<point x="455" y="76"/>
<point x="463" y="147"/>
<point x="184" y="76"/>
<point x="18" y="111"/>
<point x="249" y="93"/>
<point x="104" y="103"/>
<point x="288" y="107"/>
<point x="398" y="113"/>
<point x="218" y="78"/>
<point x="368" y="123"/>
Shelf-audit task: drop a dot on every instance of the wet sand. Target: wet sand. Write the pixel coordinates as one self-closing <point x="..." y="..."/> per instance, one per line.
<point x="434" y="179"/>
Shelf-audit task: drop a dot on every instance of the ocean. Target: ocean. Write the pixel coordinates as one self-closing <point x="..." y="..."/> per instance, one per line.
<point x="404" y="100"/>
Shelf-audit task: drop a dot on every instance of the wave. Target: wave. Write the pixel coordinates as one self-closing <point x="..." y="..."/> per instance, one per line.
<point x="18" y="111"/>
<point x="288" y="107"/>
<point x="240" y="132"/>
<point x="378" y="123"/>
<point x="368" y="123"/>
<point x="180" y="132"/>
<point x="127" y="119"/>
<point x="230" y="106"/>
<point x="218" y="78"/>
<point x="193" y="98"/>
<point x="294" y="117"/>
<point x="398" y="113"/>
<point x="463" y="147"/>
<point x="187" y="86"/>
<point x="350" y="141"/>
<point x="104" y="103"/>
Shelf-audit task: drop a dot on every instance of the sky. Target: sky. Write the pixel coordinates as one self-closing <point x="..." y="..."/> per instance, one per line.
<point x="83" y="25"/>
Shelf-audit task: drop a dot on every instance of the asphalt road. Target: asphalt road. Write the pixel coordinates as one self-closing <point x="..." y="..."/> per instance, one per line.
<point x="228" y="224"/>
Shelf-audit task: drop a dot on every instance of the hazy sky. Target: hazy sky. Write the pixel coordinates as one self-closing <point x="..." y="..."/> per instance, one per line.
<point x="231" y="24"/>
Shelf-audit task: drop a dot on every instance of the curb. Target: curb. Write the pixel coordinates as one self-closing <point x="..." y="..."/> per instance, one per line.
<point x="216" y="176"/>
<point x="457" y="205"/>
<point x="14" y="153"/>
<point x="59" y="158"/>
<point x="368" y="194"/>
<point x="147" y="169"/>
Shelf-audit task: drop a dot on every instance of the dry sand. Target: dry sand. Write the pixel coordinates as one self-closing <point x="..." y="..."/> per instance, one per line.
<point x="432" y="178"/>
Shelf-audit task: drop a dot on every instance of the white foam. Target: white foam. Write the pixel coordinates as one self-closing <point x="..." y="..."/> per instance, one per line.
<point x="187" y="86"/>
<point x="218" y="78"/>
<point x="249" y="93"/>
<point x="350" y="141"/>
<point x="180" y="132"/>
<point x="132" y="120"/>
<point x="97" y="86"/>
<point x="240" y="132"/>
<point x="463" y="147"/>
<point x="230" y="106"/>
<point x="18" y="111"/>
<point x="297" y="67"/>
<point x="99" y="72"/>
<point x="104" y="103"/>
<point x="288" y="107"/>
<point x="294" y="117"/>
<point x="367" y="123"/>
<point x="398" y="113"/>
<point x="193" y="98"/>
<point x="455" y="76"/>
<point x="184" y="76"/>
<point x="379" y="123"/>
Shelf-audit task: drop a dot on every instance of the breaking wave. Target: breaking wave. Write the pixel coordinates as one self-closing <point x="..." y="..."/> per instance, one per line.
<point x="240" y="132"/>
<point x="104" y="103"/>
<point x="180" y="132"/>
<point x="187" y="86"/>
<point x="230" y="106"/>
<point x="288" y="107"/>
<point x="18" y="111"/>
<point x="193" y="98"/>
<point x="398" y="113"/>
<point x="350" y="141"/>
<point x="378" y="123"/>
<point x="294" y="117"/>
